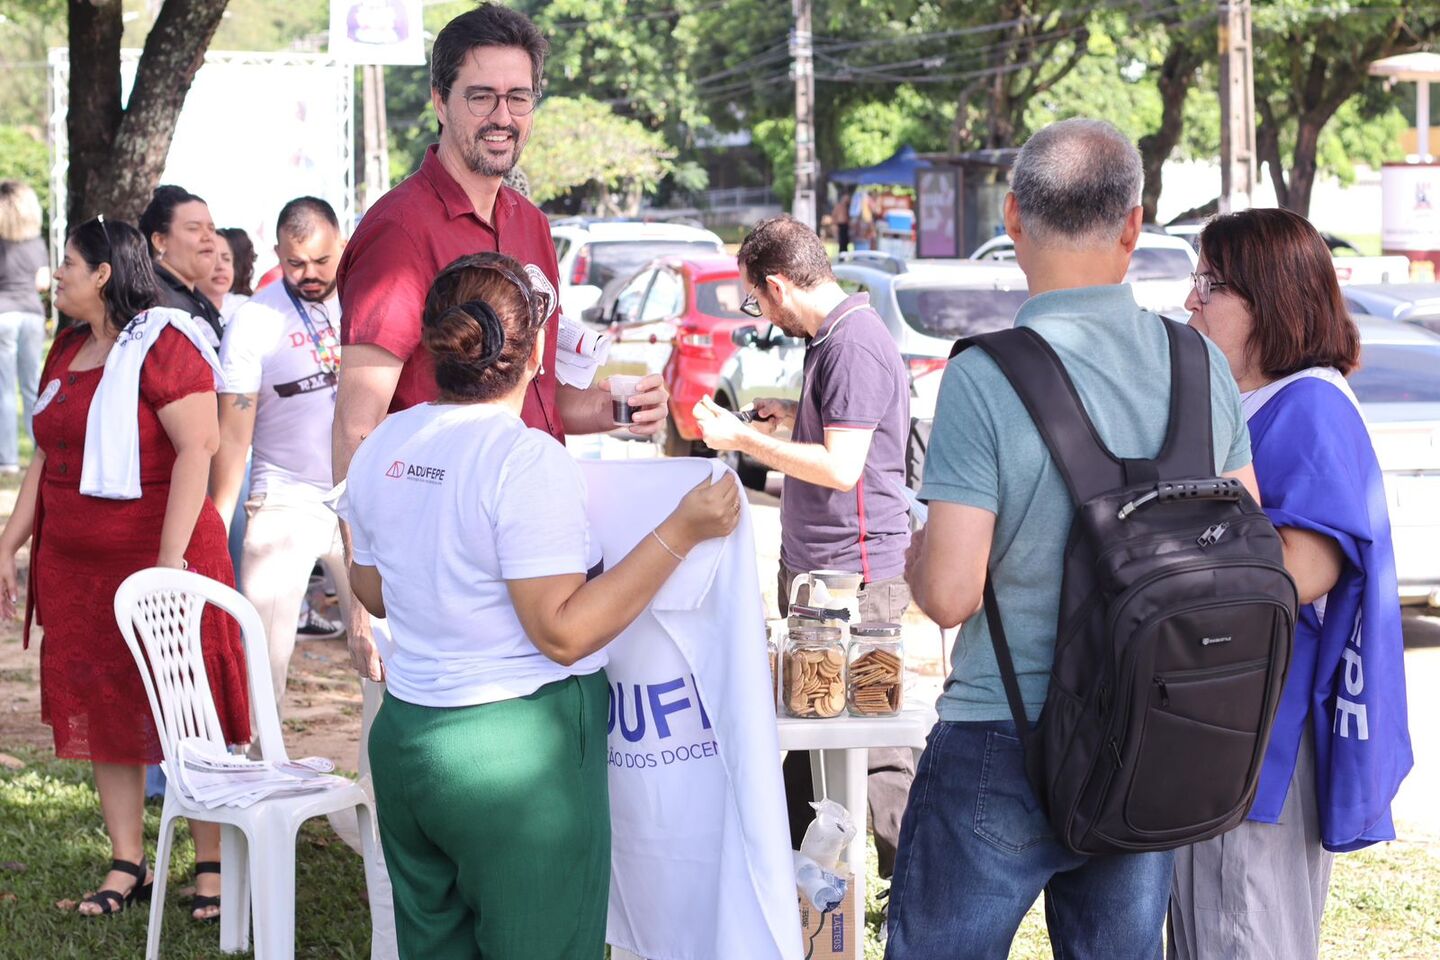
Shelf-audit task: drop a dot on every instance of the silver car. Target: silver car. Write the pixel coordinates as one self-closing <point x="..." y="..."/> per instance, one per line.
<point x="1410" y="302"/>
<point x="1398" y="386"/>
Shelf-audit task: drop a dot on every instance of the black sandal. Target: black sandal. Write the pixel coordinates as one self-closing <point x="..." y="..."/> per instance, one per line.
<point x="198" y="902"/>
<point x="113" y="901"/>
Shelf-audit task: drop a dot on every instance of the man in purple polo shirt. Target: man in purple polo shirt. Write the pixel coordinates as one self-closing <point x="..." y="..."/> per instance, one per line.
<point x="843" y="506"/>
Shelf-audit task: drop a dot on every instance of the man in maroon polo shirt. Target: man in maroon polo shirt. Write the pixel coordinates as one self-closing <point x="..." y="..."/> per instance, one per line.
<point x="485" y="75"/>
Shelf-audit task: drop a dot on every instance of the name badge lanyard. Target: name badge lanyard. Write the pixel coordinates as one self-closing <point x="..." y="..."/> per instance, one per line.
<point x="329" y="362"/>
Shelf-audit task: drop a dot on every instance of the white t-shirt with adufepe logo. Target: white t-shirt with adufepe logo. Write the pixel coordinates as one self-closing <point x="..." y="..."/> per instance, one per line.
<point x="449" y="501"/>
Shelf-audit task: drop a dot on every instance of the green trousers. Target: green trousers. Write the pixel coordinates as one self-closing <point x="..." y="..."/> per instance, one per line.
<point x="495" y="821"/>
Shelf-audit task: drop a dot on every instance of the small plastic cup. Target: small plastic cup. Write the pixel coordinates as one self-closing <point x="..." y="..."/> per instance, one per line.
<point x="622" y="388"/>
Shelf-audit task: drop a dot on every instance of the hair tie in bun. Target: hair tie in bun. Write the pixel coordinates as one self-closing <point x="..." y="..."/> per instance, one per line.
<point x="489" y="321"/>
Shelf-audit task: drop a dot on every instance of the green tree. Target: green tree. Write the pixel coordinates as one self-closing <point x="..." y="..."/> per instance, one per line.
<point x="635" y="56"/>
<point x="581" y="144"/>
<point x="1309" y="62"/>
<point x="28" y="29"/>
<point x="23" y="157"/>
<point x="117" y="154"/>
<point x="775" y="138"/>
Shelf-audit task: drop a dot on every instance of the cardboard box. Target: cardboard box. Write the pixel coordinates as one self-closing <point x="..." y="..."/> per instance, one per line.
<point x="833" y="934"/>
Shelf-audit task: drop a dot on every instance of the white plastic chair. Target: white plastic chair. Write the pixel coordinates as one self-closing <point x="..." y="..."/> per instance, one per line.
<point x="159" y="611"/>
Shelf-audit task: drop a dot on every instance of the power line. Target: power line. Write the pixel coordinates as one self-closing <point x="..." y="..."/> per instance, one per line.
<point x="840" y="44"/>
<point x="776" y="52"/>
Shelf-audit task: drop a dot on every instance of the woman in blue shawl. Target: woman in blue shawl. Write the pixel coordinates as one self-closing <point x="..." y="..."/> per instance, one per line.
<point x="1266" y="293"/>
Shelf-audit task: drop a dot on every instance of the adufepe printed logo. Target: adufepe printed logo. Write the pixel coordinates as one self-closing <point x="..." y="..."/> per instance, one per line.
<point x="400" y="470"/>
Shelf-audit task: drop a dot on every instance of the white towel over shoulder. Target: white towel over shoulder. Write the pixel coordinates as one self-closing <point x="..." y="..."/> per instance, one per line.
<point x="111" y="468"/>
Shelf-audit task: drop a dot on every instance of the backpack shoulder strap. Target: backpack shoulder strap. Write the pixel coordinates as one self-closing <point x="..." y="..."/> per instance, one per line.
<point x="1039" y="378"/>
<point x="1189" y="449"/>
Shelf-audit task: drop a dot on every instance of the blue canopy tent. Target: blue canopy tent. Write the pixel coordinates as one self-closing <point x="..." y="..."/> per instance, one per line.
<point x="899" y="169"/>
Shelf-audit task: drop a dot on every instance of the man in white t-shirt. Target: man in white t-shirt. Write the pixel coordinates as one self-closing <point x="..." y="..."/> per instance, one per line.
<point x="280" y="356"/>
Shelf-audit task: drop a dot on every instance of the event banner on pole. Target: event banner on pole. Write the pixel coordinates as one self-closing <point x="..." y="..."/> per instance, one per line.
<point x="386" y="32"/>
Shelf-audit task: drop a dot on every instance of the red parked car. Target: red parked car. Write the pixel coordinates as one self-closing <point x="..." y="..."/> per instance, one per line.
<point x="675" y="317"/>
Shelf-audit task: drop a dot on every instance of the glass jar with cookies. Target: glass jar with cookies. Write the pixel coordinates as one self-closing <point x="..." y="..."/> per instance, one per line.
<point x="774" y="639"/>
<point x="813" y="682"/>
<point x="875" y="670"/>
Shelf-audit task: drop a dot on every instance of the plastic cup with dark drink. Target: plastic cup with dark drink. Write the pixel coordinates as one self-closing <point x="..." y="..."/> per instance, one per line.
<point x="622" y="388"/>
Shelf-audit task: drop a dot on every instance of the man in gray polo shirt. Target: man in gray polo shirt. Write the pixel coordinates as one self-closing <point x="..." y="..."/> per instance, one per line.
<point x="976" y="848"/>
<point x="843" y="506"/>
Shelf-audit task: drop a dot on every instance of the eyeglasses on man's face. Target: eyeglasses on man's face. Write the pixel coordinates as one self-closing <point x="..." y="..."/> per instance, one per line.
<point x="482" y="103"/>
<point x="750" y="306"/>
<point x="1205" y="285"/>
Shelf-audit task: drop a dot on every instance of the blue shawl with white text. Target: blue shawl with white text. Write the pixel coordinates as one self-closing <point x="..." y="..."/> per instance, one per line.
<point x="1317" y="471"/>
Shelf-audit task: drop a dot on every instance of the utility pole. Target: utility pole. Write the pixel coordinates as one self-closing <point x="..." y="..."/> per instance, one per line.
<point x="375" y="135"/>
<point x="1237" y="107"/>
<point x="806" y="168"/>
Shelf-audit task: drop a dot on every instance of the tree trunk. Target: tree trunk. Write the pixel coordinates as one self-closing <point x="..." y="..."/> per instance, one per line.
<point x="1001" y="132"/>
<point x="1176" y="75"/>
<point x="128" y="149"/>
<point x="94" y="113"/>
<point x="1267" y="150"/>
<point x="1303" y="165"/>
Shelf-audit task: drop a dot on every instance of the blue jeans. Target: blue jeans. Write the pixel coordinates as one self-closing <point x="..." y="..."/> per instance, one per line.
<point x="22" y="343"/>
<point x="976" y="851"/>
<point x="238" y="523"/>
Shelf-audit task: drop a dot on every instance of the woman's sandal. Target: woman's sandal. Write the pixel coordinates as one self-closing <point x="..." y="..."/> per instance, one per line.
<point x="198" y="902"/>
<point x="113" y="901"/>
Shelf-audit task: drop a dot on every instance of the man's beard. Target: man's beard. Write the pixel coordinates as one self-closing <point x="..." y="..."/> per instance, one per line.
<point x="789" y="322"/>
<point x="309" y="297"/>
<point x="479" y="159"/>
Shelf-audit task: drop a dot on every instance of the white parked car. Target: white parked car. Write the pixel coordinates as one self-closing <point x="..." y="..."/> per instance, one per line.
<point x="594" y="253"/>
<point x="1159" y="269"/>
<point x="1398" y="386"/>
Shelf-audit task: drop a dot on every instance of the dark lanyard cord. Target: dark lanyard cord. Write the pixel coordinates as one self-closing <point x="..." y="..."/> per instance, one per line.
<point x="322" y="352"/>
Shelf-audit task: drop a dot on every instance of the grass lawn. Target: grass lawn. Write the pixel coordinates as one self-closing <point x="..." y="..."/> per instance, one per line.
<point x="53" y="847"/>
<point x="1383" y="901"/>
<point x="1383" y="905"/>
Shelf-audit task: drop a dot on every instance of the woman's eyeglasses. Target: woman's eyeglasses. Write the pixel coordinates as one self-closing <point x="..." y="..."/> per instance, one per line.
<point x="1205" y="285"/>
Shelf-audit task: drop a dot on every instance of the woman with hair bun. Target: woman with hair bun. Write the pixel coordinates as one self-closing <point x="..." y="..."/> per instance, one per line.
<point x="99" y="513"/>
<point x="177" y="226"/>
<point x="469" y="535"/>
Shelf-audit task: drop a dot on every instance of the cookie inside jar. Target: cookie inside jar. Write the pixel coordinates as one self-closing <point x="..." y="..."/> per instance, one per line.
<point x="875" y="670"/>
<point x="814" y="673"/>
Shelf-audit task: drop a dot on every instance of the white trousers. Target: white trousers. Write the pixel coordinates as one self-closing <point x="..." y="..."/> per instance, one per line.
<point x="284" y="538"/>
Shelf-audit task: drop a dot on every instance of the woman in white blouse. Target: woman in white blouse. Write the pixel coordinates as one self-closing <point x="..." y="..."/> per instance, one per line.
<point x="469" y="533"/>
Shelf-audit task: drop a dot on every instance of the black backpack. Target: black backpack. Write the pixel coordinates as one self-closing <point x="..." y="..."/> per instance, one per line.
<point x="1176" y="621"/>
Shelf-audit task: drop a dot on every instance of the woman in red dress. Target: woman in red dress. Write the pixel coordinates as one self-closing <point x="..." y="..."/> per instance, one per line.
<point x="85" y="546"/>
